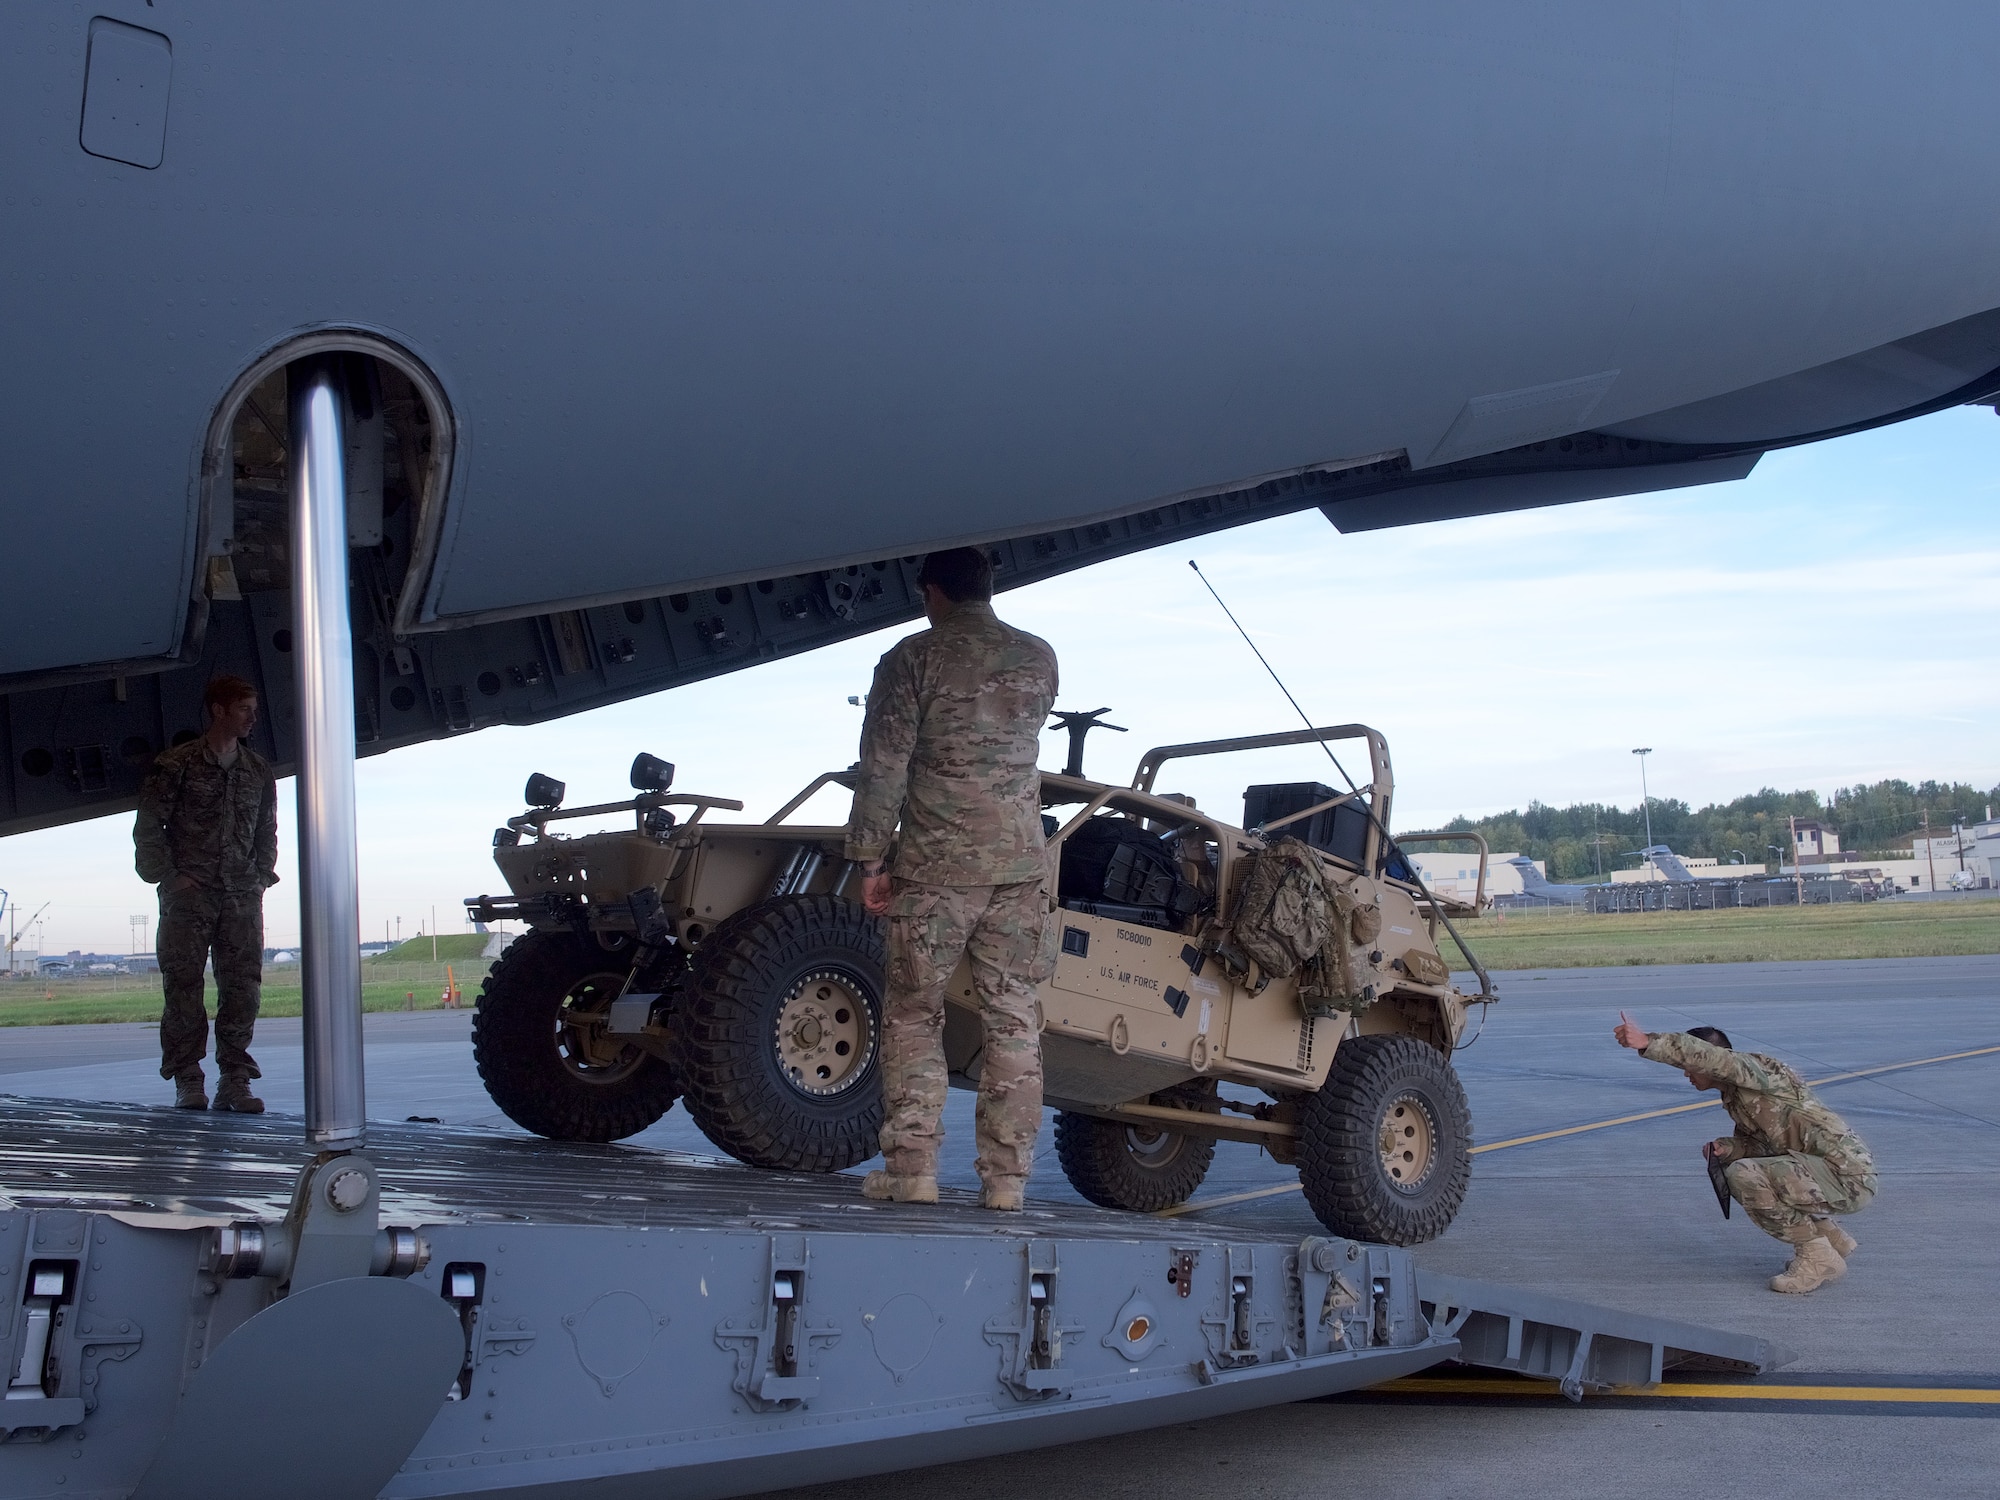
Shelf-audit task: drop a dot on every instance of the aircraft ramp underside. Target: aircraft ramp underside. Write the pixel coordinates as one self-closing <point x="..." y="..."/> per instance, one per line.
<point x="77" y="745"/>
<point x="614" y="1319"/>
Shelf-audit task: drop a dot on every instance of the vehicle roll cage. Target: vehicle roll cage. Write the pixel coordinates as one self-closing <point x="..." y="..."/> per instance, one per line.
<point x="536" y="819"/>
<point x="1139" y="799"/>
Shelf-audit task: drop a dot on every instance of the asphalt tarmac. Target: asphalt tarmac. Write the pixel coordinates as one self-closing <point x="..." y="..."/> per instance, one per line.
<point x="1896" y="1387"/>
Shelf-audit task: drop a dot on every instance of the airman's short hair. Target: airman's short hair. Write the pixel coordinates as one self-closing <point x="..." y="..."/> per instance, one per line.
<point x="225" y="690"/>
<point x="959" y="573"/>
<point x="1715" y="1036"/>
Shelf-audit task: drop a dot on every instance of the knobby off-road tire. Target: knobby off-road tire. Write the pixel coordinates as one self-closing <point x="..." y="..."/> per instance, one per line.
<point x="779" y="1042"/>
<point x="1385" y="1145"/>
<point x="538" y="1039"/>
<point x="1143" y="1168"/>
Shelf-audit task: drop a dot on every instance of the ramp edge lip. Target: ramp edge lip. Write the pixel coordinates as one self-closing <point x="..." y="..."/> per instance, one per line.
<point x="1442" y="1289"/>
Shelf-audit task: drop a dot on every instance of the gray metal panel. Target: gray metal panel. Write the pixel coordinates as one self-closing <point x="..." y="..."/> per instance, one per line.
<point x="1894" y="377"/>
<point x="623" y="1336"/>
<point x="1486" y="495"/>
<point x="318" y="1397"/>
<point x="621" y="1328"/>
<point x="1585" y="1347"/>
<point x="725" y="292"/>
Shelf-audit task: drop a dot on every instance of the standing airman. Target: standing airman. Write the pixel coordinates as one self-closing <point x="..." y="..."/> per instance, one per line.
<point x="207" y="836"/>
<point x="948" y="752"/>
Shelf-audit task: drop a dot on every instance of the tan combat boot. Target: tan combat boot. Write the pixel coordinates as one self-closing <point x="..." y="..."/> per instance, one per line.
<point x="1814" y="1264"/>
<point x="895" y="1187"/>
<point x="1844" y="1244"/>
<point x="233" y="1094"/>
<point x="1003" y="1193"/>
<point x="188" y="1090"/>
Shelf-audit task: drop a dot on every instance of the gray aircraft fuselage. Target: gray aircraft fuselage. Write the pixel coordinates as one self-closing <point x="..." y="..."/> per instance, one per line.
<point x="1537" y="886"/>
<point x="719" y="313"/>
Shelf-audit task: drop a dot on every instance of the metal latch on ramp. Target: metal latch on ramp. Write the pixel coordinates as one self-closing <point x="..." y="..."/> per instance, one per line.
<point x="1031" y="1341"/>
<point x="775" y="1344"/>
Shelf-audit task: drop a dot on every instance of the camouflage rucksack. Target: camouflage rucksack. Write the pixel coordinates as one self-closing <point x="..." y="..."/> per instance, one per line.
<point x="1283" y="917"/>
<point x="1291" y="922"/>
<point x="1331" y="983"/>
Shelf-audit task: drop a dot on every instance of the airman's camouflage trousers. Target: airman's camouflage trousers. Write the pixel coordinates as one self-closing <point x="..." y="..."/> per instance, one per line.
<point x="1782" y="1195"/>
<point x="999" y="928"/>
<point x="193" y="924"/>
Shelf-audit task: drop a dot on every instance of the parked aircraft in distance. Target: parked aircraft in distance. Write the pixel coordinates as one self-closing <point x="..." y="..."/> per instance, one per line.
<point x="675" y="331"/>
<point x="1667" y="863"/>
<point x="1537" y="887"/>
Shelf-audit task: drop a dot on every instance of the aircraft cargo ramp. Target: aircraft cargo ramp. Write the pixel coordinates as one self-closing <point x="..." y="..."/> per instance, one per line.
<point x="622" y="1321"/>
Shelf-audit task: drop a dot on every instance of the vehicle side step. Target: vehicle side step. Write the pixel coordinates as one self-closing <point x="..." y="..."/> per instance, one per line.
<point x="1584" y="1346"/>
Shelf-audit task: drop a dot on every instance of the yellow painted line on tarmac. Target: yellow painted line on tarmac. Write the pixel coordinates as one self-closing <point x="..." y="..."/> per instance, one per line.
<point x="1897" y="1067"/>
<point x="1651" y="1114"/>
<point x="1203" y="1204"/>
<point x="1421" y="1385"/>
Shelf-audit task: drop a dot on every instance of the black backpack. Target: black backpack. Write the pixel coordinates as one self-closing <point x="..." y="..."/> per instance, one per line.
<point x="1115" y="861"/>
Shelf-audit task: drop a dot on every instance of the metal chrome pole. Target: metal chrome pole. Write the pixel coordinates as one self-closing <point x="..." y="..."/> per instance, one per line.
<point x="323" y="673"/>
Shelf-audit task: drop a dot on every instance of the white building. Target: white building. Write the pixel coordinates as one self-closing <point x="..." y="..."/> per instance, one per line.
<point x="1455" y="877"/>
<point x="1965" y="858"/>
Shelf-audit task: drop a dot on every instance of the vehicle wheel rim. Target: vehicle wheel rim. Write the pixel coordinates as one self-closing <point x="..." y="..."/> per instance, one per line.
<point x="1153" y="1149"/>
<point x="825" y="1033"/>
<point x="1407" y="1142"/>
<point x="587" y="1050"/>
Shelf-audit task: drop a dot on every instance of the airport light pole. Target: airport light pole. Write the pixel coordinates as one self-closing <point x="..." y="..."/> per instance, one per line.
<point x="1645" y="797"/>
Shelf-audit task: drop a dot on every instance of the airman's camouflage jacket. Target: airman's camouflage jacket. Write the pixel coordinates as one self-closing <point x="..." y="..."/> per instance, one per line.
<point x="1775" y="1113"/>
<point x="218" y="825"/>
<point x="949" y="749"/>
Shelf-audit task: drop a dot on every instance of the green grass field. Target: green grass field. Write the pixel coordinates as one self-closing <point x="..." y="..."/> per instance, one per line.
<point x="386" y="985"/>
<point x="1885" y="929"/>
<point x="455" y="948"/>
<point x="1503" y="940"/>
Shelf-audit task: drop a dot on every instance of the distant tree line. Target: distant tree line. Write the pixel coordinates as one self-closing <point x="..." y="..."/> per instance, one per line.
<point x="1588" y="838"/>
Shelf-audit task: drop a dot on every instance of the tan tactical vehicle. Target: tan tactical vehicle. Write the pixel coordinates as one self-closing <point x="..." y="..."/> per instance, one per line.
<point x="730" y="965"/>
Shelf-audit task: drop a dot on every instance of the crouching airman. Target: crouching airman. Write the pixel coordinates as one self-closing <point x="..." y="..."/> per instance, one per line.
<point x="1792" y="1163"/>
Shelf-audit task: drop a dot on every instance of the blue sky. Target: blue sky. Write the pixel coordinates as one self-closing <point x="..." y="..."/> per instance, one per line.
<point x="1834" y="618"/>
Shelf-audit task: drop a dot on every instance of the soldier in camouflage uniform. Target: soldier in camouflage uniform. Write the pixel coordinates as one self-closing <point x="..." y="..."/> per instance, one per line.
<point x="948" y="750"/>
<point x="207" y="836"/>
<point x="1792" y="1163"/>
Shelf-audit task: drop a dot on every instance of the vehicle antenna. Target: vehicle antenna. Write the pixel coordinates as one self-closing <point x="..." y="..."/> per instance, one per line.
<point x="1303" y="716"/>
<point x="1485" y="982"/>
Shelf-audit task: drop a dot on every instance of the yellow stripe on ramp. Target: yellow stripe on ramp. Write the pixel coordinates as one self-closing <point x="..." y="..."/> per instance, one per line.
<point x="1423" y="1385"/>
